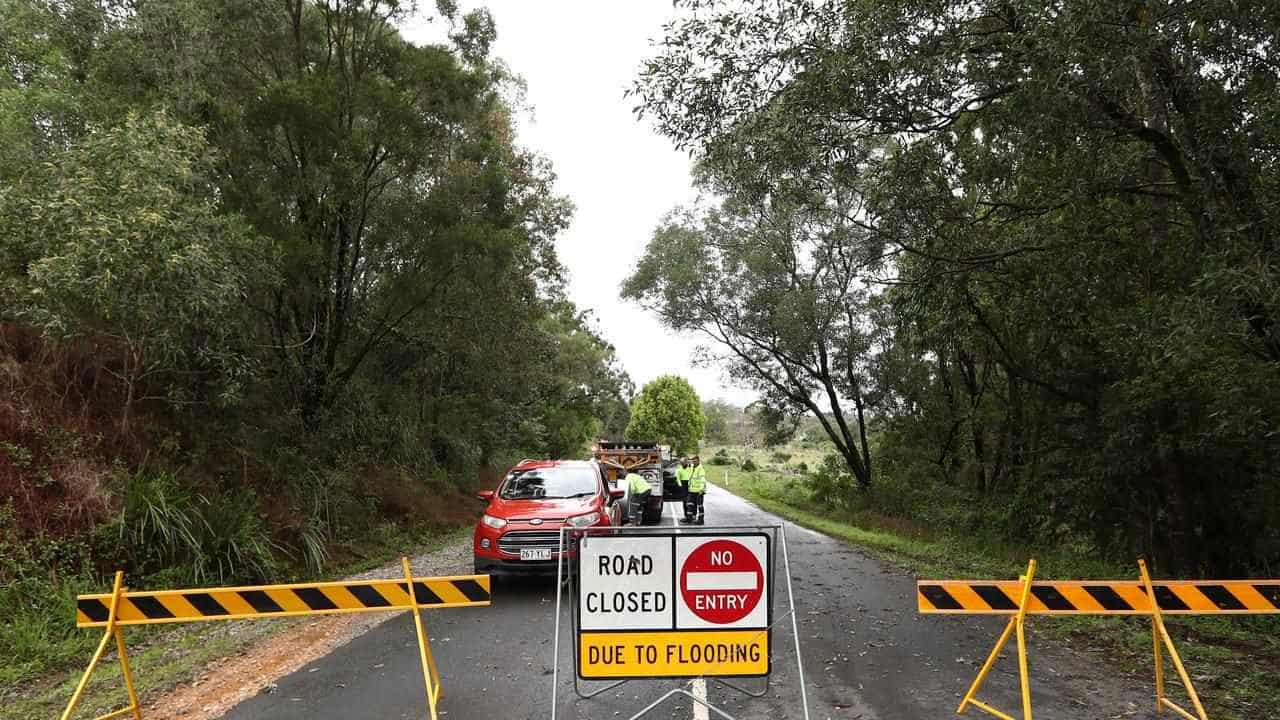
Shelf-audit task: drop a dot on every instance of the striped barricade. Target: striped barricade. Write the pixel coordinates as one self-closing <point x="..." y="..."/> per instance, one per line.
<point x="120" y="608"/>
<point x="1120" y="597"/>
<point x="168" y="606"/>
<point x="1026" y="596"/>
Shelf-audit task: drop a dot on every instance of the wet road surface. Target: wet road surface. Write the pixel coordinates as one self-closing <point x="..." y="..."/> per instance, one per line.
<point x="867" y="655"/>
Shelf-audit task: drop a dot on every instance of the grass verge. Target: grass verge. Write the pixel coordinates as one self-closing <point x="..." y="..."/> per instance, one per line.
<point x="1234" y="662"/>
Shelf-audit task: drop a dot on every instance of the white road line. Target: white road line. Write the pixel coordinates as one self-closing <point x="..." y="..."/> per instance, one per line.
<point x="700" y="691"/>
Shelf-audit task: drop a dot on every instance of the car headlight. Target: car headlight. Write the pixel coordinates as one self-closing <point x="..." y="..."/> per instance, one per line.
<point x="581" y="521"/>
<point x="493" y="522"/>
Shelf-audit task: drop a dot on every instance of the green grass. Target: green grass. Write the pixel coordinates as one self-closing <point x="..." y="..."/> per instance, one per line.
<point x="1235" y="662"/>
<point x="162" y="657"/>
<point x="160" y="661"/>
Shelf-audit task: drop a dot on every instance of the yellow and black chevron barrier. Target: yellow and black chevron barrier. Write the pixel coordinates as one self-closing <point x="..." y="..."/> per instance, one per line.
<point x="168" y="606"/>
<point x="121" y="608"/>
<point x="1119" y="597"/>
<point x="1101" y="597"/>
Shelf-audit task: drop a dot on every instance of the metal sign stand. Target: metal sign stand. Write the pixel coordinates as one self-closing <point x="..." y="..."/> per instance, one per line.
<point x="685" y="688"/>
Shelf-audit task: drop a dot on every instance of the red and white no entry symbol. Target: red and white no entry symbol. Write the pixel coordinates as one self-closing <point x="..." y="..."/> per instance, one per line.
<point x="721" y="581"/>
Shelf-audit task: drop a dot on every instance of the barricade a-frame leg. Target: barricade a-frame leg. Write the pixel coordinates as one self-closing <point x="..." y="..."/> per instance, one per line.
<point x="1016" y="625"/>
<point x="1159" y="634"/>
<point x="112" y="631"/>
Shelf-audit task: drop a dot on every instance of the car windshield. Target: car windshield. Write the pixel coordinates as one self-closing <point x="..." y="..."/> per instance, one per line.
<point x="549" y="483"/>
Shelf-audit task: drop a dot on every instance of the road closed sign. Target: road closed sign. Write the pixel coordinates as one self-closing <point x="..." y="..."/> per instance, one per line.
<point x="625" y="582"/>
<point x="673" y="605"/>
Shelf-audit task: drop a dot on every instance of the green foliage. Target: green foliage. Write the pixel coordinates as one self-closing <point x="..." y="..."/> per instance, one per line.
<point x="216" y="539"/>
<point x="749" y="465"/>
<point x="780" y="458"/>
<point x="928" y="549"/>
<point x="1055" y="293"/>
<point x="720" y="460"/>
<point x="759" y="279"/>
<point x="159" y="524"/>
<point x="667" y="410"/>
<point x="39" y="582"/>
<point x="120" y="239"/>
<point x="718" y="414"/>
<point x="234" y="543"/>
<point x="292" y="250"/>
<point x="830" y="483"/>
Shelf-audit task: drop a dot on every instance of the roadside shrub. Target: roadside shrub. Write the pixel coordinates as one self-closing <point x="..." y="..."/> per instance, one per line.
<point x="722" y="452"/>
<point x="719" y="459"/>
<point x="234" y="544"/>
<point x="166" y="526"/>
<point x="803" y="466"/>
<point x="159" y="521"/>
<point x="831" y="484"/>
<point x="39" y="582"/>
<point x="781" y="458"/>
<point x="749" y="466"/>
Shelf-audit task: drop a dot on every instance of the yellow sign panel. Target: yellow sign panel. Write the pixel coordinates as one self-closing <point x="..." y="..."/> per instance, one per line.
<point x="605" y="655"/>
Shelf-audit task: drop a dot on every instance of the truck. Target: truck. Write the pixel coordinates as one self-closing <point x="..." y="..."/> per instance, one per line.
<point x="648" y="459"/>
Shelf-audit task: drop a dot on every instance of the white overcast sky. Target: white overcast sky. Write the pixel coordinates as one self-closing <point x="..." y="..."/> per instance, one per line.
<point x="577" y="58"/>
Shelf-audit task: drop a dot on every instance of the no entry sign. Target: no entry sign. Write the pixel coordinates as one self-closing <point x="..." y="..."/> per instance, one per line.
<point x="723" y="584"/>
<point x="673" y="605"/>
<point x="722" y="581"/>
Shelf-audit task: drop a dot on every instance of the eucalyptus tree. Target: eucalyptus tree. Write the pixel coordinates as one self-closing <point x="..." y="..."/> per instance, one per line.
<point x="1078" y="200"/>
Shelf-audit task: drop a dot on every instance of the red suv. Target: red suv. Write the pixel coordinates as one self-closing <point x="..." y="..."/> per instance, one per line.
<point x="520" y="529"/>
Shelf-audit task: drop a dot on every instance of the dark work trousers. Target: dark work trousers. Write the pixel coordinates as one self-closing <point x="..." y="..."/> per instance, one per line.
<point x="693" y="506"/>
<point x="638" y="501"/>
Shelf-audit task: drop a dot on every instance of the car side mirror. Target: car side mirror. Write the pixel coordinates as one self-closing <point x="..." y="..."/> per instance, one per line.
<point x="617" y="493"/>
<point x="485" y="495"/>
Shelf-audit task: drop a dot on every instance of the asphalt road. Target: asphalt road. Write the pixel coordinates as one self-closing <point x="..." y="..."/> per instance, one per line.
<point x="866" y="652"/>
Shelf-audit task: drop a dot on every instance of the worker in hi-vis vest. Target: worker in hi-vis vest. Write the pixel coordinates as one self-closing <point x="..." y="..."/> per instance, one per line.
<point x="638" y="492"/>
<point x="697" y="491"/>
<point x="682" y="481"/>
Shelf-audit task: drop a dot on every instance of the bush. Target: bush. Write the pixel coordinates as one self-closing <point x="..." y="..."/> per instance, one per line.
<point x="803" y="466"/>
<point x="158" y="525"/>
<point x="831" y="484"/>
<point x="749" y="466"/>
<point x="234" y="542"/>
<point x="166" y="526"/>
<point x="720" y="460"/>
<point x="780" y="458"/>
<point x="722" y="452"/>
<point x="39" y="582"/>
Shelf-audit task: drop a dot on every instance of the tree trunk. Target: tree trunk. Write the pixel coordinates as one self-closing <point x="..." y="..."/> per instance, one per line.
<point x="968" y="372"/>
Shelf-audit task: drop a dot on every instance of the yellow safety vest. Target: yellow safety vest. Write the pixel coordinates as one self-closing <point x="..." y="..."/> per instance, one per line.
<point x="683" y="474"/>
<point x="637" y="484"/>
<point x="698" y="479"/>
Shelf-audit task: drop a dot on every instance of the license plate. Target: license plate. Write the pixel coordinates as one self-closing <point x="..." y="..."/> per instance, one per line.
<point x="535" y="554"/>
